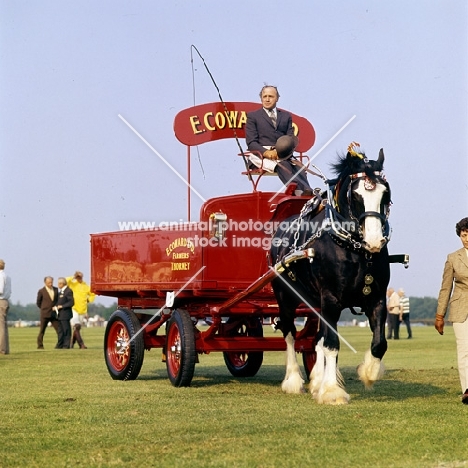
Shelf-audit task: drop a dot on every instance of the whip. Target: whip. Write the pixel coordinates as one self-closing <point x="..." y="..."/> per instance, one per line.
<point x="192" y="47"/>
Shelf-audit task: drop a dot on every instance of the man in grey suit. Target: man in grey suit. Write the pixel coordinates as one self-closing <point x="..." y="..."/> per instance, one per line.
<point x="455" y="279"/>
<point x="46" y="300"/>
<point x="65" y="302"/>
<point x="263" y="129"/>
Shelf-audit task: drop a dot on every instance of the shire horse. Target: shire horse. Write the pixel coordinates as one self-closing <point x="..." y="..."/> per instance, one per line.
<point x="349" y="232"/>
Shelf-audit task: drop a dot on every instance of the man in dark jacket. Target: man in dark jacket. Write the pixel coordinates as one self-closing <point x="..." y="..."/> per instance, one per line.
<point x="46" y="301"/>
<point x="263" y="128"/>
<point x="63" y="308"/>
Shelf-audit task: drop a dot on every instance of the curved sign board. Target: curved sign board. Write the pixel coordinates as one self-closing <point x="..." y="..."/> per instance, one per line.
<point x="215" y="121"/>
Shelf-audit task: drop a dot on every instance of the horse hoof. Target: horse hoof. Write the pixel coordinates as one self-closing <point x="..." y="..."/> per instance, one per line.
<point x="371" y="370"/>
<point x="333" y="396"/>
<point x="333" y="400"/>
<point x="293" y="384"/>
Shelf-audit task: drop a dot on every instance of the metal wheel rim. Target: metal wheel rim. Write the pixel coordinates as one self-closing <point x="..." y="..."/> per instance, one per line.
<point x="118" y="349"/>
<point x="238" y="359"/>
<point x="174" y="350"/>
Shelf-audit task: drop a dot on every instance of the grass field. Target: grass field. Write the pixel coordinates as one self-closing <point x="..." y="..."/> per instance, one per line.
<point x="60" y="408"/>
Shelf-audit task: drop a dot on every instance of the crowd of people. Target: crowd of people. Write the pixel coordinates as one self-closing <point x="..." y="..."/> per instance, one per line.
<point x="65" y="307"/>
<point x="398" y="308"/>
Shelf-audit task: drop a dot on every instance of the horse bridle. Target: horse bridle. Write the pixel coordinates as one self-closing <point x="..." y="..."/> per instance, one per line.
<point x="369" y="184"/>
<point x="337" y="232"/>
<point x="333" y="217"/>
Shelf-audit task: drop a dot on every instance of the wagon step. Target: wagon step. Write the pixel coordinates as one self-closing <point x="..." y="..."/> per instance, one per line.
<point x="269" y="276"/>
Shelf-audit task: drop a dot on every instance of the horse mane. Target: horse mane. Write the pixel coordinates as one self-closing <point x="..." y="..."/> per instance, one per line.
<point x="351" y="164"/>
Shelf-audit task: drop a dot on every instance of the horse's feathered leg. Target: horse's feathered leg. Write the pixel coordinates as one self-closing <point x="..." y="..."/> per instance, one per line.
<point x="332" y="390"/>
<point x="288" y="302"/>
<point x="372" y="369"/>
<point x="318" y="371"/>
<point x="293" y="381"/>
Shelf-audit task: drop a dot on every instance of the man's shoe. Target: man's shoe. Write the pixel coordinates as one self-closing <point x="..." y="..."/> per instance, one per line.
<point x="465" y="397"/>
<point x="83" y="347"/>
<point x="40" y="347"/>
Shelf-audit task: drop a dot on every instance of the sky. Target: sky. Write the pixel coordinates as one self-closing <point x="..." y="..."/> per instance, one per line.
<point x="70" y="166"/>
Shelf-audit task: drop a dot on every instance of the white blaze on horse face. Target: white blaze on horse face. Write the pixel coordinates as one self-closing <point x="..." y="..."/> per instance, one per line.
<point x="372" y="228"/>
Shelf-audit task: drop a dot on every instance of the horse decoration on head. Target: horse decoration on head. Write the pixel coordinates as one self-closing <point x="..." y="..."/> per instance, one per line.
<point x="348" y="231"/>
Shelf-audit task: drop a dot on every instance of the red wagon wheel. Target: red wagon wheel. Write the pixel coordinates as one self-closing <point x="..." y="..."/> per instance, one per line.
<point x="181" y="354"/>
<point x="308" y="359"/>
<point x="244" y="363"/>
<point x="124" y="349"/>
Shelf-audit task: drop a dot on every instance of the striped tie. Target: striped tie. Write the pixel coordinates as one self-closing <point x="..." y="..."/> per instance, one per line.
<point x="273" y="117"/>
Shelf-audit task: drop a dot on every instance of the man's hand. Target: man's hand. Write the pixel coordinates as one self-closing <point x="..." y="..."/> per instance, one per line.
<point x="439" y="324"/>
<point x="271" y="154"/>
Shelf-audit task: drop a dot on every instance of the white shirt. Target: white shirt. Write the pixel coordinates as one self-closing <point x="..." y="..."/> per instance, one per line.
<point x="5" y="286"/>
<point x="271" y="112"/>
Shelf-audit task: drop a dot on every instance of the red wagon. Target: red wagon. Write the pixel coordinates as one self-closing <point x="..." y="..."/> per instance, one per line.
<point x="214" y="272"/>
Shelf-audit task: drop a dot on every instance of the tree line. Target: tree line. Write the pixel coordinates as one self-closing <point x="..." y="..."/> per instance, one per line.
<point x="30" y="312"/>
<point x="422" y="308"/>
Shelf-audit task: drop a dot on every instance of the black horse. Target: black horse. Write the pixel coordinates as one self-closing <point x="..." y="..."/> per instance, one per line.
<point x="348" y="231"/>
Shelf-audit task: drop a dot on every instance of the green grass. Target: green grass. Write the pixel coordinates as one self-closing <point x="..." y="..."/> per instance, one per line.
<point x="60" y="408"/>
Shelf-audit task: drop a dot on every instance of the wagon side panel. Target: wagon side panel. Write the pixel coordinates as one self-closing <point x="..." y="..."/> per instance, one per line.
<point x="147" y="263"/>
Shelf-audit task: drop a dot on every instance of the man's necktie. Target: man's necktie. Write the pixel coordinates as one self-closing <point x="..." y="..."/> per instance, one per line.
<point x="273" y="118"/>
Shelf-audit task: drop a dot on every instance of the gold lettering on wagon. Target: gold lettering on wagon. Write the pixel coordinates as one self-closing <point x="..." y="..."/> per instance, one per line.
<point x="180" y="255"/>
<point x="180" y="242"/>
<point x="212" y="122"/>
<point x="184" y="243"/>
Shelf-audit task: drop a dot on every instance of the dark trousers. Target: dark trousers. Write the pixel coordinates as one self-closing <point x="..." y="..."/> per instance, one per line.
<point x="406" y="321"/>
<point x="286" y="170"/>
<point x="64" y="334"/>
<point x="393" y="326"/>
<point x="44" y="322"/>
<point x="76" y="338"/>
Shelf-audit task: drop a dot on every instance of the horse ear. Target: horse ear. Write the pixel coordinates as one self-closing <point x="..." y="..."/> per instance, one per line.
<point x="381" y="157"/>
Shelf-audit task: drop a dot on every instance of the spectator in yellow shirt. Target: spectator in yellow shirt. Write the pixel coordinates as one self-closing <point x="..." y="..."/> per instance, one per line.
<point x="82" y="295"/>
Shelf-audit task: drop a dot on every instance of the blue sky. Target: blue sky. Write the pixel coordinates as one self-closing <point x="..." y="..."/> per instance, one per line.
<point x="70" y="166"/>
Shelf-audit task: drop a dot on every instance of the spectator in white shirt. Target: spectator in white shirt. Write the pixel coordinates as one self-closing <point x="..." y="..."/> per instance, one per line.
<point x="5" y="293"/>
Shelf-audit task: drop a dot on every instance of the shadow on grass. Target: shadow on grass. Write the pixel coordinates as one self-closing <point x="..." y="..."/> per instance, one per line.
<point x="399" y="388"/>
<point x="271" y="376"/>
<point x="219" y="375"/>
